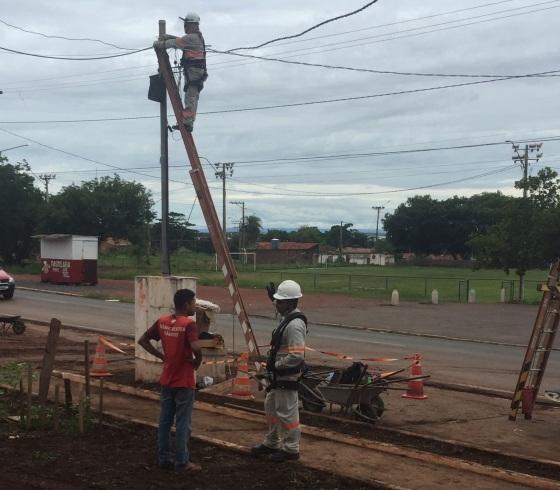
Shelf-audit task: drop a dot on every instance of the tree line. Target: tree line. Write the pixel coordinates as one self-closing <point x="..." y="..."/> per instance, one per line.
<point x="491" y="229"/>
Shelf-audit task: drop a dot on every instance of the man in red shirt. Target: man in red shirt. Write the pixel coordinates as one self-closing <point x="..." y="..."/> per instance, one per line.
<point x="181" y="357"/>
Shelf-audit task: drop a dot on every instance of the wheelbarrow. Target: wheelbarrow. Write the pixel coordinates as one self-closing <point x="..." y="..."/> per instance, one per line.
<point x="362" y="397"/>
<point x="14" y="323"/>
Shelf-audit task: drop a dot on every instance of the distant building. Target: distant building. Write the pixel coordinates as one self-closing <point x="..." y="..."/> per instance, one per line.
<point x="277" y="252"/>
<point x="355" y="255"/>
<point x="111" y="243"/>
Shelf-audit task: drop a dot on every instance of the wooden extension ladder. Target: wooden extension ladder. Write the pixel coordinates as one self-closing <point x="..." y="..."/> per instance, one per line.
<point x="540" y="345"/>
<point x="207" y="204"/>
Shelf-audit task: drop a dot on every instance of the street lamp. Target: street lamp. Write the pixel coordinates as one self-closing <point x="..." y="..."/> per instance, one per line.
<point x="13" y="148"/>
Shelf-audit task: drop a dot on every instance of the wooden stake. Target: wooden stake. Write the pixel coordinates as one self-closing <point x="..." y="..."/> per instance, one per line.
<point x="21" y="403"/>
<point x="81" y="412"/>
<point x="29" y="395"/>
<point x="55" y="407"/>
<point x="101" y="400"/>
<point x="67" y="396"/>
<point x="86" y="370"/>
<point x="48" y="360"/>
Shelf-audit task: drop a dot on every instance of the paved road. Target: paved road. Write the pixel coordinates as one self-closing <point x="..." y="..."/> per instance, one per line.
<point x="451" y="361"/>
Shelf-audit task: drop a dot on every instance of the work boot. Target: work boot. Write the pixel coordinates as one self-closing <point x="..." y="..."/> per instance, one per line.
<point x="262" y="450"/>
<point x="190" y="467"/>
<point x="282" y="456"/>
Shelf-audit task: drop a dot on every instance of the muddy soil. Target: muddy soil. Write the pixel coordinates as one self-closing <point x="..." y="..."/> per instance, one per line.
<point x="125" y="457"/>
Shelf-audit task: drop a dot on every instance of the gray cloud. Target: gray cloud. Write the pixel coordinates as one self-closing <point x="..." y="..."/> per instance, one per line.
<point x="494" y="112"/>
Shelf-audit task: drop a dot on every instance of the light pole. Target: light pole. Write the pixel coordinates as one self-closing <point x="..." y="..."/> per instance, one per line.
<point x="378" y="208"/>
<point x="12" y="148"/>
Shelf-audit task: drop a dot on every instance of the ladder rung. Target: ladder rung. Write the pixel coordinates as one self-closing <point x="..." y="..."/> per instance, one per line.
<point x="549" y="331"/>
<point x="535" y="369"/>
<point x="543" y="350"/>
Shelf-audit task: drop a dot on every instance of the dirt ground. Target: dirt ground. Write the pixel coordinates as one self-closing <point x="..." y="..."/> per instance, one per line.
<point x="110" y="457"/>
<point x="468" y="418"/>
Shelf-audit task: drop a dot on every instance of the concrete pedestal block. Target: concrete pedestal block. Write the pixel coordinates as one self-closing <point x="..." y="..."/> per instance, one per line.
<point x="153" y="297"/>
<point x="216" y="371"/>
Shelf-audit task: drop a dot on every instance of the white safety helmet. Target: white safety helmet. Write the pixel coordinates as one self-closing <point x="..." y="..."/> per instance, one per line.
<point x="191" y="17"/>
<point x="288" y="290"/>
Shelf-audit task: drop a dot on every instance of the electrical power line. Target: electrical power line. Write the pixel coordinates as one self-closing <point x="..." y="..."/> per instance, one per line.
<point x="306" y="103"/>
<point x="312" y="28"/>
<point x="390" y="24"/>
<point x="411" y="33"/>
<point x="68" y="58"/>
<point x="63" y="37"/>
<point x="365" y="70"/>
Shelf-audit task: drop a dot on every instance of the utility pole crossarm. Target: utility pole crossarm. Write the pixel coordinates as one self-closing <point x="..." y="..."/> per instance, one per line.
<point x="217" y="235"/>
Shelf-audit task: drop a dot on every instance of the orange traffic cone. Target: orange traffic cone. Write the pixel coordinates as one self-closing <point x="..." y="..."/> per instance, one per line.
<point x="415" y="388"/>
<point x="99" y="363"/>
<point x="241" y="388"/>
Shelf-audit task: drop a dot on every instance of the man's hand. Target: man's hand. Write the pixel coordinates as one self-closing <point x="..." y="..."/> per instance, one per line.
<point x="196" y="362"/>
<point x="271" y="289"/>
<point x="159" y="45"/>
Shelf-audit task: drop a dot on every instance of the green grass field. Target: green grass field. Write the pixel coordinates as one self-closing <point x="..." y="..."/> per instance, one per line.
<point x="413" y="283"/>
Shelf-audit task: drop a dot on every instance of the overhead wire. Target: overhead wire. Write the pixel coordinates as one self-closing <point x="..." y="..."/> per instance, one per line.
<point x="68" y="58"/>
<point x="348" y="44"/>
<point x="305" y="103"/>
<point x="50" y="36"/>
<point x="365" y="70"/>
<point x="309" y="29"/>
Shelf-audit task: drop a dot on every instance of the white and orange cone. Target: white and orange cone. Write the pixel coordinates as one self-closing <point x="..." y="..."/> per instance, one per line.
<point x="415" y="388"/>
<point x="241" y="383"/>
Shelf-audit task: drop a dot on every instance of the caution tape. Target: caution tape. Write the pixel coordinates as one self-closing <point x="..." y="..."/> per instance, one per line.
<point x="224" y="361"/>
<point x="350" y="358"/>
<point x="416" y="358"/>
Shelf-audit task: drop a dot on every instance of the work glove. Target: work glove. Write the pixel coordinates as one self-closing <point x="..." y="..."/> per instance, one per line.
<point x="271" y="289"/>
<point x="159" y="44"/>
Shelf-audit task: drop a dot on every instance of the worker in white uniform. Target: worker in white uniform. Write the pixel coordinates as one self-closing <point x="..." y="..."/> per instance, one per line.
<point x="193" y="63"/>
<point x="285" y="365"/>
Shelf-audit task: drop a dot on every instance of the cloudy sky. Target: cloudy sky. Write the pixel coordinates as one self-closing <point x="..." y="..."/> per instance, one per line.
<point x="277" y="172"/>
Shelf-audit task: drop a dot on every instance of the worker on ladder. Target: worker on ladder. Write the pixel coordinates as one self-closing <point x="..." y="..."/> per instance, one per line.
<point x="285" y="365"/>
<point x="193" y="62"/>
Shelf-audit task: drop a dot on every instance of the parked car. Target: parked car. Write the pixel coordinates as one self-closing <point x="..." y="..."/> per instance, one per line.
<point x="7" y="285"/>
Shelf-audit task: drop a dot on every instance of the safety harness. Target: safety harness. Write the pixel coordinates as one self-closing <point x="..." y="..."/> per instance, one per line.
<point x="195" y="63"/>
<point x="275" y="344"/>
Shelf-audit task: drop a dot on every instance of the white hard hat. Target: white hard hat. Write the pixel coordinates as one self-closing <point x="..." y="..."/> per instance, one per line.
<point x="190" y="17"/>
<point x="288" y="290"/>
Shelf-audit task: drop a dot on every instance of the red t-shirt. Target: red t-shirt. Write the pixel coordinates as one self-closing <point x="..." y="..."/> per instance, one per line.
<point x="176" y="334"/>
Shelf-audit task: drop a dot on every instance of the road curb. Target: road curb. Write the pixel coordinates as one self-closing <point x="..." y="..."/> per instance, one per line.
<point x="50" y="291"/>
<point x="408" y="333"/>
<point x="79" y="327"/>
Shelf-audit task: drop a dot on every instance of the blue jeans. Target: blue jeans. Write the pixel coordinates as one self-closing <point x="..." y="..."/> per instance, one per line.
<point x="175" y="403"/>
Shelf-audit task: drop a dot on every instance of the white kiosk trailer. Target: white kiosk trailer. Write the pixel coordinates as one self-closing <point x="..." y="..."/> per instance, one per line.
<point x="69" y="259"/>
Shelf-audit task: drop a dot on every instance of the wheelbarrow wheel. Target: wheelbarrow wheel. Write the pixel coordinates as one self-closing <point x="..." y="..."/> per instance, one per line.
<point x="379" y="405"/>
<point x="370" y="412"/>
<point x="18" y="327"/>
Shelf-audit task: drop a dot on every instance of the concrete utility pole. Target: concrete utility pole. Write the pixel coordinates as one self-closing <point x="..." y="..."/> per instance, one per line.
<point x="241" y="224"/>
<point x="164" y="163"/>
<point x="379" y="209"/>
<point x="340" y="238"/>
<point x="225" y="172"/>
<point x="46" y="178"/>
<point x="524" y="159"/>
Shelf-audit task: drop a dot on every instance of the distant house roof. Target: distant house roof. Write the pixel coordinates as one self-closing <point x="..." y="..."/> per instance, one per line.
<point x="287" y="246"/>
<point x="356" y="250"/>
